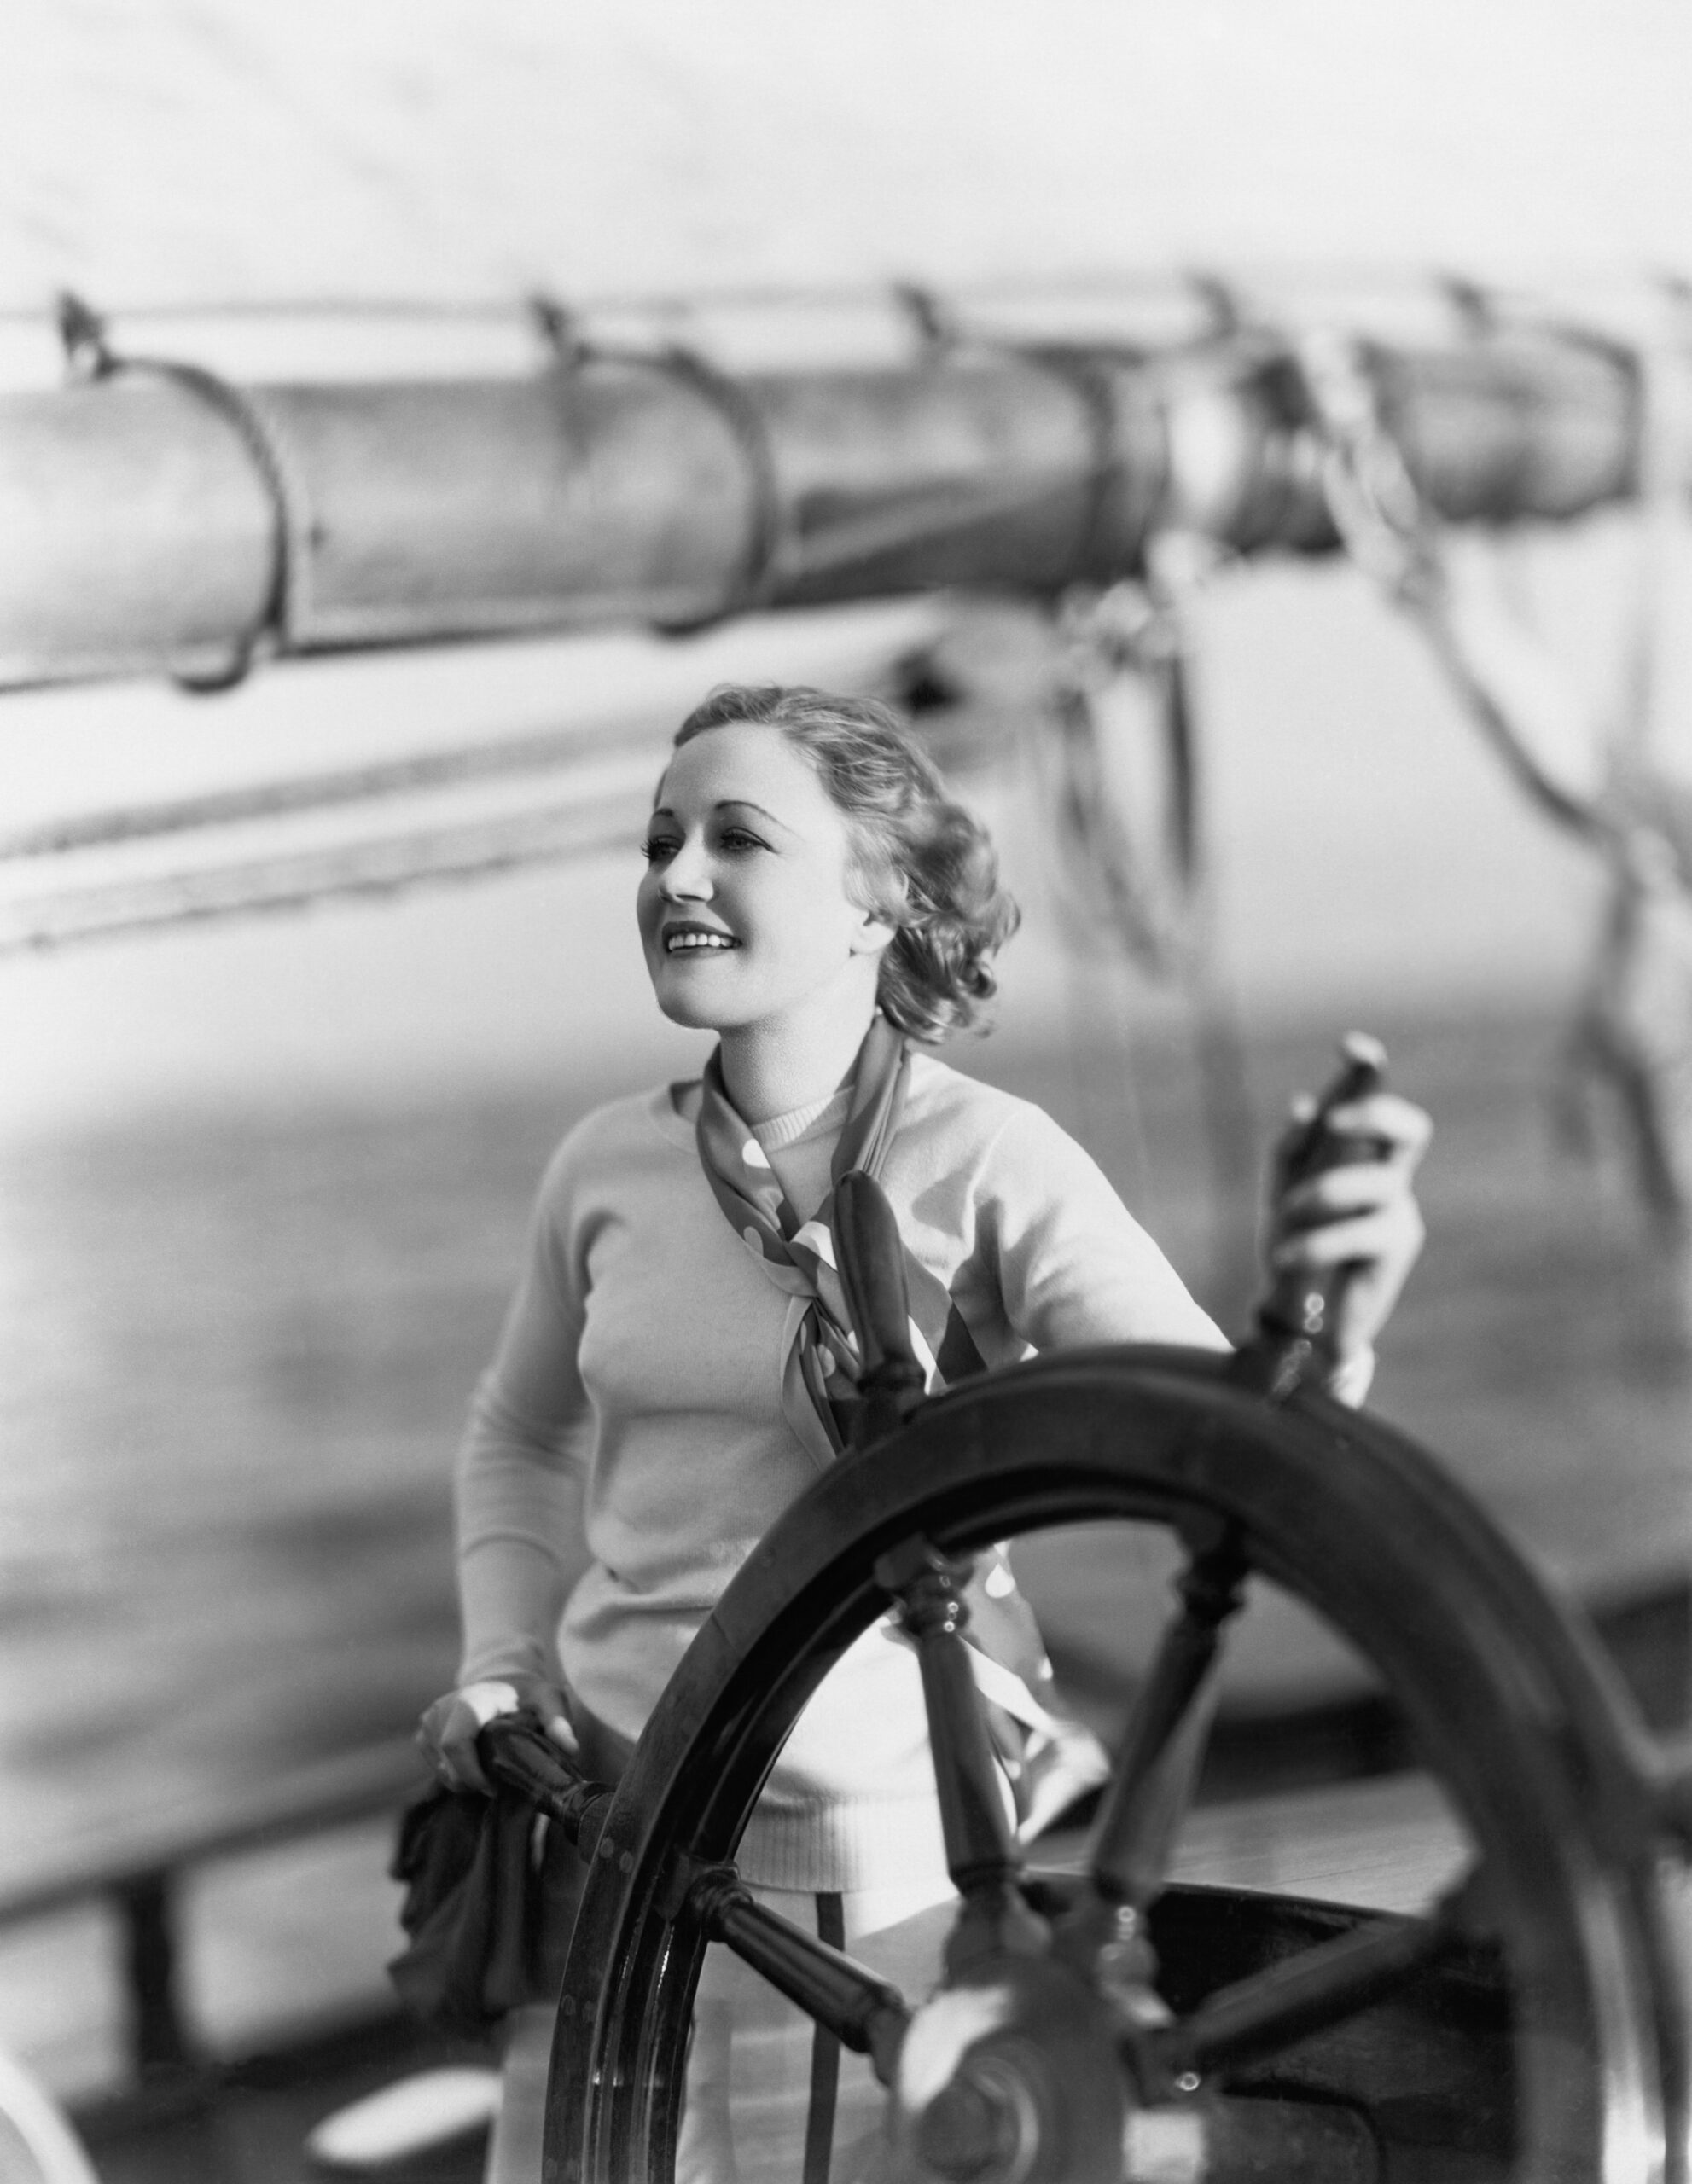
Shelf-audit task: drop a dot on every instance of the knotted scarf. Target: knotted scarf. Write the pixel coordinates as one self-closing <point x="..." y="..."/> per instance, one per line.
<point x="819" y="1357"/>
<point x="819" y="1349"/>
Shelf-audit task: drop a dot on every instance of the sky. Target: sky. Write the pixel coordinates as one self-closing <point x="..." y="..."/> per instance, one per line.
<point x="191" y="151"/>
<point x="207" y="154"/>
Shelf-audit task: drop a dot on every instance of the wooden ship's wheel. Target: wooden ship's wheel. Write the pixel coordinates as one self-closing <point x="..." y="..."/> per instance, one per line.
<point x="1533" y="2026"/>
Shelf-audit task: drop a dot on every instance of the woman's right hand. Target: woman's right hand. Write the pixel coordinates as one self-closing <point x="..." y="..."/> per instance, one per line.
<point x="447" y="1730"/>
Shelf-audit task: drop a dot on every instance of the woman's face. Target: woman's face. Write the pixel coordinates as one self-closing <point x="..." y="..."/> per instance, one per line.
<point x="744" y="911"/>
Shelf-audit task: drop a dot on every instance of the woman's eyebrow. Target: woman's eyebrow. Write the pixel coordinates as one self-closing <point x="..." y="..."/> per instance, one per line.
<point x="727" y="803"/>
<point x="746" y="804"/>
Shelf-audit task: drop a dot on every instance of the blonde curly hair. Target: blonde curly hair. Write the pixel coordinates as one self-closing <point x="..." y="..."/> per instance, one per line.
<point x="921" y="862"/>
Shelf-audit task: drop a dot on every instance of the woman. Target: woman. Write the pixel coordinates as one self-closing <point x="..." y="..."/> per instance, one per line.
<point x="667" y="1379"/>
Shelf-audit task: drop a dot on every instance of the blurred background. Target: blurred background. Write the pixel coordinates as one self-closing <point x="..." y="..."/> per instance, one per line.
<point x="264" y="1179"/>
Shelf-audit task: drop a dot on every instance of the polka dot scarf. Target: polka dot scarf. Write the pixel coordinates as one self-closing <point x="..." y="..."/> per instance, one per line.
<point x="819" y="1364"/>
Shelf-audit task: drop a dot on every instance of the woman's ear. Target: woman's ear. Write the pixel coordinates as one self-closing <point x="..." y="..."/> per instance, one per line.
<point x="879" y="918"/>
<point x="873" y="934"/>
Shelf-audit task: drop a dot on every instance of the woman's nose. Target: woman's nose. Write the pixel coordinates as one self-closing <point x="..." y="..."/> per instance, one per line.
<point x="687" y="875"/>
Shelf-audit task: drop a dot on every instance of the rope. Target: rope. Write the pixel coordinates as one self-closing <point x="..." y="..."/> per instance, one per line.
<point x="89" y="358"/>
<point x="381" y="866"/>
<point x="1383" y="521"/>
<point x="1159" y="907"/>
<point x="1096" y="282"/>
<point x="516" y="755"/>
<point x="1653" y="373"/>
<point x="936" y="323"/>
<point x="1388" y="530"/>
<point x="1084" y="373"/>
<point x="1632" y="1026"/>
<point x="773" y="553"/>
<point x="767" y="543"/>
<point x="1655" y="390"/>
<point x="943" y="332"/>
<point x="1662" y="424"/>
<point x="1136" y="630"/>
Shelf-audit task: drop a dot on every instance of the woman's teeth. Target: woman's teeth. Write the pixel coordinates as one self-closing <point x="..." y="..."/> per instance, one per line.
<point x="676" y="941"/>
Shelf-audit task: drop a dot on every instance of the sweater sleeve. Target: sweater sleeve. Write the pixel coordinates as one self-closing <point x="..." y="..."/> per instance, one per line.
<point x="520" y="1472"/>
<point x="1074" y="1264"/>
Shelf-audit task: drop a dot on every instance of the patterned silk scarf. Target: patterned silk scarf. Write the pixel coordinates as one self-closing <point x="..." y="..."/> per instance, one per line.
<point x="819" y="1360"/>
<point x="1047" y="1757"/>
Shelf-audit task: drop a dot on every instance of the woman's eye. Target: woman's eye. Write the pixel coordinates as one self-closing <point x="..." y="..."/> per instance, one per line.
<point x="656" y="847"/>
<point x="736" y="837"/>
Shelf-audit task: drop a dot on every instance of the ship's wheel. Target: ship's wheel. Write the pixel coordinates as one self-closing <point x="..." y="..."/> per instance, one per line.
<point x="1096" y="2026"/>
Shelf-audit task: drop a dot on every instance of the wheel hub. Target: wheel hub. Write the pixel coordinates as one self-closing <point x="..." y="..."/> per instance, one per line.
<point x="1012" y="2075"/>
<point x="1027" y="2071"/>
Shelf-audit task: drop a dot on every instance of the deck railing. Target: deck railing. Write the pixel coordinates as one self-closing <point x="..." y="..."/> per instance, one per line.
<point x="141" y="1877"/>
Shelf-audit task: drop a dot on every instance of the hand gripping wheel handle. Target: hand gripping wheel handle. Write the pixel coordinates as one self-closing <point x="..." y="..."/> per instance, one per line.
<point x="518" y="1755"/>
<point x="1294" y="1341"/>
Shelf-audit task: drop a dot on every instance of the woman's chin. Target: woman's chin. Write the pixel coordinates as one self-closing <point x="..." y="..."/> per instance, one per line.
<point x="693" y="1011"/>
<point x="689" y="1019"/>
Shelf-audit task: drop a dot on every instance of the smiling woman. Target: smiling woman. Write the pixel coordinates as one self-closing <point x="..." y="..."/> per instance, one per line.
<point x="832" y="848"/>
<point x="679" y="1359"/>
<point x="747" y="919"/>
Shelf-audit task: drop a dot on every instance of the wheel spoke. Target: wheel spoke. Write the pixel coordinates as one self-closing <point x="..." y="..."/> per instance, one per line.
<point x="982" y="1855"/>
<point x="864" y="2013"/>
<point x="928" y="1587"/>
<point x="1259" y="2016"/>
<point x="1168" y="1728"/>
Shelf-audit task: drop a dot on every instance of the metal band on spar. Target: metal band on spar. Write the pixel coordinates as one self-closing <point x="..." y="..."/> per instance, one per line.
<point x="621" y="489"/>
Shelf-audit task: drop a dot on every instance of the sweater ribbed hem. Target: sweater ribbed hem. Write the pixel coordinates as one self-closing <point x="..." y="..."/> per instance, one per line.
<point x="842" y="1844"/>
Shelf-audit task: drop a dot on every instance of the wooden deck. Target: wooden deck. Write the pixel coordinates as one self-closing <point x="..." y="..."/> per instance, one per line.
<point x="250" y="2124"/>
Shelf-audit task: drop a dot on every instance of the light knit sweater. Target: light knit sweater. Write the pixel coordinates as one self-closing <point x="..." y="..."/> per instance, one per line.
<point x="627" y="1446"/>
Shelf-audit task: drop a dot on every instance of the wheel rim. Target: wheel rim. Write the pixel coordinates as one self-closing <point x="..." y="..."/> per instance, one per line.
<point x="1510" y="1708"/>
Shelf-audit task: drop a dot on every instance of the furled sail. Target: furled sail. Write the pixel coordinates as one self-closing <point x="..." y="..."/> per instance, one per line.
<point x="160" y="517"/>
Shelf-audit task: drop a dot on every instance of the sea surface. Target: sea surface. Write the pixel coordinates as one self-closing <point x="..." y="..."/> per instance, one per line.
<point x="236" y="1351"/>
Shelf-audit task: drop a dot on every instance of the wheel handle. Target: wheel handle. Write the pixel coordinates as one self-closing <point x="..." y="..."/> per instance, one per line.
<point x="1293" y="1341"/>
<point x="872" y="1273"/>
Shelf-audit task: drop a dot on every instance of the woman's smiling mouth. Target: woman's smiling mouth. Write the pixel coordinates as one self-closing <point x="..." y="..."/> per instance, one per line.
<point x="694" y="939"/>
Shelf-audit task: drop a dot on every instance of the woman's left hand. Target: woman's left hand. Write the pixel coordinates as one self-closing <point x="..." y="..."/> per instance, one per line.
<point x="1362" y="1217"/>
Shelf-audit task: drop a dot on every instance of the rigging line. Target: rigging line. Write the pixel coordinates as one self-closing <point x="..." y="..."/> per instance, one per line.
<point x="497" y="310"/>
<point x="930" y="514"/>
<point x="540" y="752"/>
<point x="1647" y="364"/>
<point x="1086" y="371"/>
<point x="284" y="308"/>
<point x="91" y="358"/>
<point x="1092" y="280"/>
<point x="380" y="866"/>
<point x="1144" y="896"/>
<point x="1664" y="411"/>
<point x="769" y="540"/>
<point x="780" y="554"/>
<point x="1094" y="998"/>
<point x="1389" y="532"/>
<point x="1088" y="377"/>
